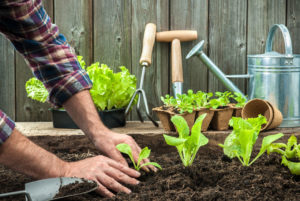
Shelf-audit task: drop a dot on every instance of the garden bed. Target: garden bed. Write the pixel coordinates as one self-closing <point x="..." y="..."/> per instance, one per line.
<point x="212" y="176"/>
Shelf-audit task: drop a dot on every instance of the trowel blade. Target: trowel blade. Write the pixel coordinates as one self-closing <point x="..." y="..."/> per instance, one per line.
<point x="47" y="189"/>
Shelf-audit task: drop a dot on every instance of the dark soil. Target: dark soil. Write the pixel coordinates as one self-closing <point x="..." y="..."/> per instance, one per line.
<point x="75" y="188"/>
<point x="212" y="176"/>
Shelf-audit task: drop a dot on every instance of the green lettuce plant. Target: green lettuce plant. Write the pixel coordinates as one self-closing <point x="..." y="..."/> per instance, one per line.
<point x="201" y="99"/>
<point x="110" y="90"/>
<point x="187" y="144"/>
<point x="36" y="90"/>
<point x="239" y="143"/>
<point x="185" y="102"/>
<point x="239" y="98"/>
<point x="221" y="100"/>
<point x="288" y="151"/>
<point x="169" y="101"/>
<point x="145" y="153"/>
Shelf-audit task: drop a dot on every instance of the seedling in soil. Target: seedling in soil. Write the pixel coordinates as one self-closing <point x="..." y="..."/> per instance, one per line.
<point x="239" y="98"/>
<point x="239" y="143"/>
<point x="187" y="145"/>
<point x="185" y="102"/>
<point x="221" y="101"/>
<point x="201" y="99"/>
<point x="291" y="152"/>
<point x="145" y="153"/>
<point x="169" y="101"/>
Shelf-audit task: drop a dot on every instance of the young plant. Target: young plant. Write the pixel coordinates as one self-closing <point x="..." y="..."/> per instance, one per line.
<point x="239" y="98"/>
<point x="222" y="100"/>
<point x="169" y="101"/>
<point x="187" y="144"/>
<point x="291" y="151"/>
<point x="239" y="143"/>
<point x="202" y="99"/>
<point x="145" y="153"/>
<point x="185" y="103"/>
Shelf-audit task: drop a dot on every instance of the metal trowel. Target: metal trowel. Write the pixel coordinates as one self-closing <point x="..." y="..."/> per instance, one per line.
<point x="177" y="72"/>
<point x="47" y="189"/>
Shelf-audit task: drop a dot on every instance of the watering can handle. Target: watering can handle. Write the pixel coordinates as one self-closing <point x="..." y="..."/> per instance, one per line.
<point x="286" y="37"/>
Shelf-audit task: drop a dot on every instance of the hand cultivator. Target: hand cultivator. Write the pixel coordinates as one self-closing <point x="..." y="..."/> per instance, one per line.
<point x="145" y="61"/>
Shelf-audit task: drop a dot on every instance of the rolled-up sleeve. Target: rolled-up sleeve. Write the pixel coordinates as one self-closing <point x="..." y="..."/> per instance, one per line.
<point x="6" y="127"/>
<point x="26" y="24"/>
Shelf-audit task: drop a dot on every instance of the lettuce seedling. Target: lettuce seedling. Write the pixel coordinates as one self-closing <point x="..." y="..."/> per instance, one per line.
<point x="145" y="153"/>
<point x="291" y="151"/>
<point x="187" y="145"/>
<point x="239" y="98"/>
<point x="239" y="143"/>
<point x="222" y="100"/>
<point x="169" y="101"/>
<point x="36" y="90"/>
<point x="202" y="99"/>
<point x="185" y="103"/>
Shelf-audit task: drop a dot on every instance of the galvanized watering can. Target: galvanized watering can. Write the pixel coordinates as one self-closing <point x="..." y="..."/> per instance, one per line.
<point x="272" y="76"/>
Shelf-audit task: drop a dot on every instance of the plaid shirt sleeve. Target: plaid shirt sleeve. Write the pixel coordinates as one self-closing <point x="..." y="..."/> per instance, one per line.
<point x="6" y="127"/>
<point x="26" y="24"/>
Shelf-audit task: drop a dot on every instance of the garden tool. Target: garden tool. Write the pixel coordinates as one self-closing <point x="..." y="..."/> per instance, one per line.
<point x="176" y="59"/>
<point x="47" y="189"/>
<point x="176" y="62"/>
<point x="273" y="76"/>
<point x="145" y="61"/>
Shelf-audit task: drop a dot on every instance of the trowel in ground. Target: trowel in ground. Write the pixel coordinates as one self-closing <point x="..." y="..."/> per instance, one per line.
<point x="47" y="189"/>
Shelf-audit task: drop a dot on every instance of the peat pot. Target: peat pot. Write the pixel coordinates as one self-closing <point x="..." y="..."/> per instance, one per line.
<point x="272" y="76"/>
<point x="111" y="118"/>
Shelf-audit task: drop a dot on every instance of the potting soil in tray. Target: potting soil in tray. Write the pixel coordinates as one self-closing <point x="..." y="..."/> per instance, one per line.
<point x="212" y="176"/>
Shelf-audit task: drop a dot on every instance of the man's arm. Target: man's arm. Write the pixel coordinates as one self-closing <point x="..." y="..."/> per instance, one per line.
<point x="22" y="155"/>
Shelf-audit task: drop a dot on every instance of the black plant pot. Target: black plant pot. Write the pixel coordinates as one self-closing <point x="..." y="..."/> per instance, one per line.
<point x="111" y="118"/>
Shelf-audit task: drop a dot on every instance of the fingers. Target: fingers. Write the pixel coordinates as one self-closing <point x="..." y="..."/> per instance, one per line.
<point x="123" y="178"/>
<point x="117" y="156"/>
<point x="124" y="169"/>
<point x="112" y="184"/>
<point x="104" y="191"/>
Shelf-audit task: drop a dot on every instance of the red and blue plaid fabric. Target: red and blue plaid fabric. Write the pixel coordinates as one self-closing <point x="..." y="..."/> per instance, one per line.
<point x="26" y="24"/>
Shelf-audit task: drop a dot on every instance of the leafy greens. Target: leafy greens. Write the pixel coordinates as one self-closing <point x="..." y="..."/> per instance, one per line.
<point x="145" y="153"/>
<point x="239" y="143"/>
<point x="187" y="144"/>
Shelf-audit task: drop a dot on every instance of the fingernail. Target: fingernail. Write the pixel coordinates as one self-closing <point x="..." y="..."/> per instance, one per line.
<point x="137" y="182"/>
<point x="128" y="191"/>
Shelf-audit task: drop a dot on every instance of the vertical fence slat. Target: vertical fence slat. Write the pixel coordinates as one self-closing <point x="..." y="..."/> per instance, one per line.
<point x="262" y="14"/>
<point x="112" y="34"/>
<point x="27" y="109"/>
<point x="74" y="19"/>
<point x="7" y="77"/>
<point x="156" y="77"/>
<point x="293" y="23"/>
<point x="191" y="15"/>
<point x="227" y="37"/>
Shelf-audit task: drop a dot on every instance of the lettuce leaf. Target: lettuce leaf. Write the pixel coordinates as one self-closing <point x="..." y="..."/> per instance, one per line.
<point x="36" y="90"/>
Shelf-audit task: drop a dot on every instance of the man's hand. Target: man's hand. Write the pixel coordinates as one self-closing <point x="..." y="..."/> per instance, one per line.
<point x="108" y="173"/>
<point x="82" y="110"/>
<point x="106" y="143"/>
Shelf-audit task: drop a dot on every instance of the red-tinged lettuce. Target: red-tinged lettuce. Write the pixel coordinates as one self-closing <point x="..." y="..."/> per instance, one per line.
<point x="239" y="143"/>
<point x="289" y="151"/>
<point x="187" y="145"/>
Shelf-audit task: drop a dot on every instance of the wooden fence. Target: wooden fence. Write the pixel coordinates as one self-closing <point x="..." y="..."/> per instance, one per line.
<point x="111" y="31"/>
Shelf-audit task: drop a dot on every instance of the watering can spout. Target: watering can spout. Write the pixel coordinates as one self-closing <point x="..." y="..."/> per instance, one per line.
<point x="198" y="51"/>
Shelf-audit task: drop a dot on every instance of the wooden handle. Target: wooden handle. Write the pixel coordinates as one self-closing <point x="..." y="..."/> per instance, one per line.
<point x="182" y="35"/>
<point x="148" y="43"/>
<point x="176" y="61"/>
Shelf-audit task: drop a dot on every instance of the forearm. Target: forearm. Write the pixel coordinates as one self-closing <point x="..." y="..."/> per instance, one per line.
<point x="22" y="155"/>
<point x="83" y="111"/>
